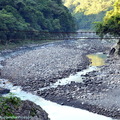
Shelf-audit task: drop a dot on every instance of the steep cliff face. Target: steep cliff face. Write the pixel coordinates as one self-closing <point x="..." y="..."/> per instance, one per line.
<point x="88" y="11"/>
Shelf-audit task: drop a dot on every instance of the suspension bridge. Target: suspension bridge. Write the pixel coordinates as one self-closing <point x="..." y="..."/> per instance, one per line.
<point x="12" y="35"/>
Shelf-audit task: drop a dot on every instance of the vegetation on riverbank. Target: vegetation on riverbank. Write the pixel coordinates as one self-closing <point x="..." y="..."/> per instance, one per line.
<point x="12" y="108"/>
<point x="8" y="105"/>
<point x="88" y="11"/>
<point x="13" y="46"/>
<point x="111" y="22"/>
<point x="111" y="25"/>
<point x="17" y="17"/>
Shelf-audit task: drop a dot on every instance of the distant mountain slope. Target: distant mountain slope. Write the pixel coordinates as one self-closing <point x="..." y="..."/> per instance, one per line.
<point x="88" y="11"/>
<point x="88" y="6"/>
<point x="49" y="15"/>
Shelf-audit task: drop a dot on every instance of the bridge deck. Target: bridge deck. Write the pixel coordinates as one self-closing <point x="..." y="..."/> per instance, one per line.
<point x="43" y="35"/>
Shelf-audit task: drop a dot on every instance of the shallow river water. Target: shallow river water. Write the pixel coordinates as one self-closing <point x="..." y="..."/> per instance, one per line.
<point x="56" y="111"/>
<point x="97" y="59"/>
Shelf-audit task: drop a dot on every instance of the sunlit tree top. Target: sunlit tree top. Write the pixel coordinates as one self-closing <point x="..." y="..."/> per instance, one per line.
<point x="89" y="6"/>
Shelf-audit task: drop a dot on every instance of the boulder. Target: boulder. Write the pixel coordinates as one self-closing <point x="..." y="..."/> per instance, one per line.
<point x="21" y="109"/>
<point x="4" y="91"/>
<point x="115" y="49"/>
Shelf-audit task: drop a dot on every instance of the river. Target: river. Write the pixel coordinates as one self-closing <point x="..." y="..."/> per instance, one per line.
<point x="56" y="111"/>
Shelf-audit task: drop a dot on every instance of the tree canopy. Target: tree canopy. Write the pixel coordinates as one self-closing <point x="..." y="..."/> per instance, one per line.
<point x="111" y="25"/>
<point x="88" y="11"/>
<point x="88" y="6"/>
<point x="34" y="15"/>
<point x="111" y="22"/>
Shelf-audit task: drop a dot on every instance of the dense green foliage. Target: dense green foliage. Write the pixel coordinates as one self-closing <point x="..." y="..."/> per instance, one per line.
<point x="33" y="15"/>
<point x="111" y="22"/>
<point x="111" y="26"/>
<point x="88" y="11"/>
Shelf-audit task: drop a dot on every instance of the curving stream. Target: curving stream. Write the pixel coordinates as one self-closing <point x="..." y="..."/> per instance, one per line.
<point x="97" y="59"/>
<point x="56" y="111"/>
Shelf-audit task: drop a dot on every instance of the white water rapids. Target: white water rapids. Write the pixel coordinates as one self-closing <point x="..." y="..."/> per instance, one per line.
<point x="56" y="111"/>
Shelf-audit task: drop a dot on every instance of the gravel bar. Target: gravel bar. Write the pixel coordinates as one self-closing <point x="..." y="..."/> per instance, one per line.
<point x="40" y="66"/>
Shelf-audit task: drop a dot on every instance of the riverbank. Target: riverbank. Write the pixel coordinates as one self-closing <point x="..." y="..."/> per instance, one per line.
<point x="40" y="67"/>
<point x="44" y="65"/>
<point x="54" y="110"/>
<point x="14" y="46"/>
<point x="99" y="91"/>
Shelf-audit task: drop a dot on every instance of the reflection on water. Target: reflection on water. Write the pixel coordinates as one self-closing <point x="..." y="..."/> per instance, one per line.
<point x="97" y="59"/>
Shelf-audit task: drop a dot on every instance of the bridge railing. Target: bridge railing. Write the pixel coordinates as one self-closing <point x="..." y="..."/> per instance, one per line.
<point x="17" y="35"/>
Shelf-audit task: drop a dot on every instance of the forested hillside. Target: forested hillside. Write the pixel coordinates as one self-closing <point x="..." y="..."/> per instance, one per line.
<point x="111" y="25"/>
<point x="34" y="15"/>
<point x="88" y="11"/>
<point x="111" y="22"/>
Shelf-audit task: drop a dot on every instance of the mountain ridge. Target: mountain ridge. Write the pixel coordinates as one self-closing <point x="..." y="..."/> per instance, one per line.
<point x="87" y="12"/>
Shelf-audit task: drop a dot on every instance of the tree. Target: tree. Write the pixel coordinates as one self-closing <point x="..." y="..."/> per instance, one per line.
<point x="111" y="24"/>
<point x="32" y="15"/>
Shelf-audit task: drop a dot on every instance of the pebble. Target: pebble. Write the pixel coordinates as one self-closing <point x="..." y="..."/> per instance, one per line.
<point x="49" y="63"/>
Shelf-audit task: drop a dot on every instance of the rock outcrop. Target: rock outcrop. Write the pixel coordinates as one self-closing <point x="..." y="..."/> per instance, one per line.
<point x="115" y="49"/>
<point x="4" y="91"/>
<point x="14" y="108"/>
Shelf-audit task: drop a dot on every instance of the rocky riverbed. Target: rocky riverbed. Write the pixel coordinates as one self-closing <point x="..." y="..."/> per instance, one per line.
<point x="41" y="66"/>
<point x="38" y="68"/>
<point x="99" y="91"/>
